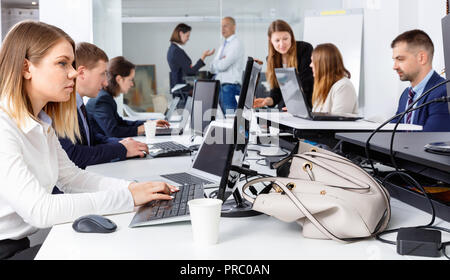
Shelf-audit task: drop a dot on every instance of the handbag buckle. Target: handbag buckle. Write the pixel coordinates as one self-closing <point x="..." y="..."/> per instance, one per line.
<point x="278" y="189"/>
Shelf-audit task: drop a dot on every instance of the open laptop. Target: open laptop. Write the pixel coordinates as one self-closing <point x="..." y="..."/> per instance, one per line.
<point x="295" y="98"/>
<point x="211" y="158"/>
<point x="204" y="105"/>
<point x="168" y="115"/>
<point x="165" y="131"/>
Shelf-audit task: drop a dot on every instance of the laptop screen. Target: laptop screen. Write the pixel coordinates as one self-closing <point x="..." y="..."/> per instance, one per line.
<point x="291" y="91"/>
<point x="205" y="99"/>
<point x="213" y="155"/>
<point x="256" y="69"/>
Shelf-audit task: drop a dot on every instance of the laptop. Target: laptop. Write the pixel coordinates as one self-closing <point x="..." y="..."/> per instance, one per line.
<point x="204" y="106"/>
<point x="295" y="98"/>
<point x="165" y="131"/>
<point x="211" y="159"/>
<point x="168" y="116"/>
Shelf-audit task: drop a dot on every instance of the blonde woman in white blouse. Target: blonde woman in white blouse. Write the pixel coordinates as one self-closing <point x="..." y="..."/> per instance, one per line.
<point x="333" y="92"/>
<point x="38" y="104"/>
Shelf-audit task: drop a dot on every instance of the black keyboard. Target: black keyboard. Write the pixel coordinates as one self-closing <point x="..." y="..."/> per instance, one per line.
<point x="168" y="211"/>
<point x="186" y="178"/>
<point x="167" y="149"/>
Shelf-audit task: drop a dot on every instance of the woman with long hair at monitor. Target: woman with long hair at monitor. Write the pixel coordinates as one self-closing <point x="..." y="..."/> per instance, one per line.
<point x="285" y="52"/>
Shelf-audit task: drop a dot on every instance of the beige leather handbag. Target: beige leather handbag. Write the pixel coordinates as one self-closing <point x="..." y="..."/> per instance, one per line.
<point x="327" y="194"/>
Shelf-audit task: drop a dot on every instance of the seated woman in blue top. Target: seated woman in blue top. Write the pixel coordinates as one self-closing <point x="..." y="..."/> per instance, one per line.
<point x="179" y="62"/>
<point x="103" y="108"/>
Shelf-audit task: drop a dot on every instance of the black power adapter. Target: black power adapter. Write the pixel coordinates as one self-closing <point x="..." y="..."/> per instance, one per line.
<point x="419" y="242"/>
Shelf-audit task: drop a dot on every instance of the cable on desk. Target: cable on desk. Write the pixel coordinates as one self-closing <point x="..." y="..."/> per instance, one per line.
<point x="404" y="175"/>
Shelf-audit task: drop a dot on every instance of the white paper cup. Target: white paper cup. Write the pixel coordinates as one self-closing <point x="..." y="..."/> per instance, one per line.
<point x="150" y="130"/>
<point x="205" y="218"/>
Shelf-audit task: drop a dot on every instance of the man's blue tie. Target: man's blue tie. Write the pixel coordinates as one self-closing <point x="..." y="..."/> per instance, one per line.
<point x="410" y="101"/>
<point x="223" y="48"/>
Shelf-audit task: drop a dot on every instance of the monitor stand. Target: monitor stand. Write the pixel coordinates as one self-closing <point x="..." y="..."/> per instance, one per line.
<point x="237" y="207"/>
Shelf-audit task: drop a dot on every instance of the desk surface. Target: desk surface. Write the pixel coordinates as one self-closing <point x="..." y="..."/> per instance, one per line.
<point x="286" y="119"/>
<point x="260" y="237"/>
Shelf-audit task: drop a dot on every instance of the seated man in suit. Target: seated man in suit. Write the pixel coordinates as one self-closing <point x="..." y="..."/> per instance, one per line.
<point x="95" y="148"/>
<point x="413" y="55"/>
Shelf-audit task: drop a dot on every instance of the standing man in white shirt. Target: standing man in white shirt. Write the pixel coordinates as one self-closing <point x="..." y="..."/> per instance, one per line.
<point x="228" y="66"/>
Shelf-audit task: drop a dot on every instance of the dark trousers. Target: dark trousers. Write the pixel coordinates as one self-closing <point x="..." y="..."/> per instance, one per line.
<point x="17" y="249"/>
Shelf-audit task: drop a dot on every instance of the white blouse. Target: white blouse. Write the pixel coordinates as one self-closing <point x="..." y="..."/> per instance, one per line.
<point x="341" y="99"/>
<point x="32" y="162"/>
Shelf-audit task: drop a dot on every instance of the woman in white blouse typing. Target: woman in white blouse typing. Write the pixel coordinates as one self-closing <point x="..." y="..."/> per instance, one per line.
<point x="38" y="104"/>
<point x="333" y="91"/>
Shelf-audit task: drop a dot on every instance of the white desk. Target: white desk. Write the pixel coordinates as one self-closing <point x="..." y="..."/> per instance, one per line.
<point x="254" y="238"/>
<point x="286" y="119"/>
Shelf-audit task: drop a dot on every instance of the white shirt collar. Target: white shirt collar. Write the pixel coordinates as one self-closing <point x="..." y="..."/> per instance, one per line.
<point x="79" y="100"/>
<point x="29" y="123"/>
<point x="45" y="123"/>
<point x="179" y="45"/>
<point x="231" y="38"/>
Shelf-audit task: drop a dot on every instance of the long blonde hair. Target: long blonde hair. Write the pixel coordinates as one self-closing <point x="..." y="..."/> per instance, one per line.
<point x="274" y="60"/>
<point x="32" y="40"/>
<point x="328" y="69"/>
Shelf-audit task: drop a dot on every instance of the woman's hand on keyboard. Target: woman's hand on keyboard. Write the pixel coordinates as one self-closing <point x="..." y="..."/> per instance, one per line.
<point x="144" y="192"/>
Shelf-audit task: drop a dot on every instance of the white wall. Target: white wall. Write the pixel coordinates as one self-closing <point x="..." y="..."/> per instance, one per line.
<point x="107" y="26"/>
<point x="72" y="16"/>
<point x="383" y="21"/>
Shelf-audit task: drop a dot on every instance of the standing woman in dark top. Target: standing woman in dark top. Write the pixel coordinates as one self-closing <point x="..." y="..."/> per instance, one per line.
<point x="179" y="62"/>
<point x="285" y="52"/>
<point x="103" y="108"/>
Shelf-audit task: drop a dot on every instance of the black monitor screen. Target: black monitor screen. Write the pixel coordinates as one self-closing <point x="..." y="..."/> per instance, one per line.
<point x="251" y="89"/>
<point x="446" y="40"/>
<point x="204" y="105"/>
<point x="241" y="127"/>
<point x="213" y="155"/>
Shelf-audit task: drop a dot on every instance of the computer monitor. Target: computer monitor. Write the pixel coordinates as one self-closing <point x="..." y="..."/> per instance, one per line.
<point x="443" y="146"/>
<point x="446" y="41"/>
<point x="204" y="105"/>
<point x="241" y="133"/>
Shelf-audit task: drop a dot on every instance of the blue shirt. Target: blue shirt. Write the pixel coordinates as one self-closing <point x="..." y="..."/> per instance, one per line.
<point x="418" y="89"/>
<point x="80" y="113"/>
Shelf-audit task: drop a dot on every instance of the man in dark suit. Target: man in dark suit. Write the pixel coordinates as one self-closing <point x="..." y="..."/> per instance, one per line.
<point x="413" y="55"/>
<point x="93" y="147"/>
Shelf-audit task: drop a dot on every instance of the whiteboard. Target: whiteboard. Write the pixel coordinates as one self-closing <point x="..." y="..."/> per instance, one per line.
<point x="343" y="29"/>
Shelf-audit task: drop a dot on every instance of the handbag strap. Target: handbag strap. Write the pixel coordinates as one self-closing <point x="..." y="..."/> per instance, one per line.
<point x="348" y="177"/>
<point x="310" y="216"/>
<point x="296" y="202"/>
